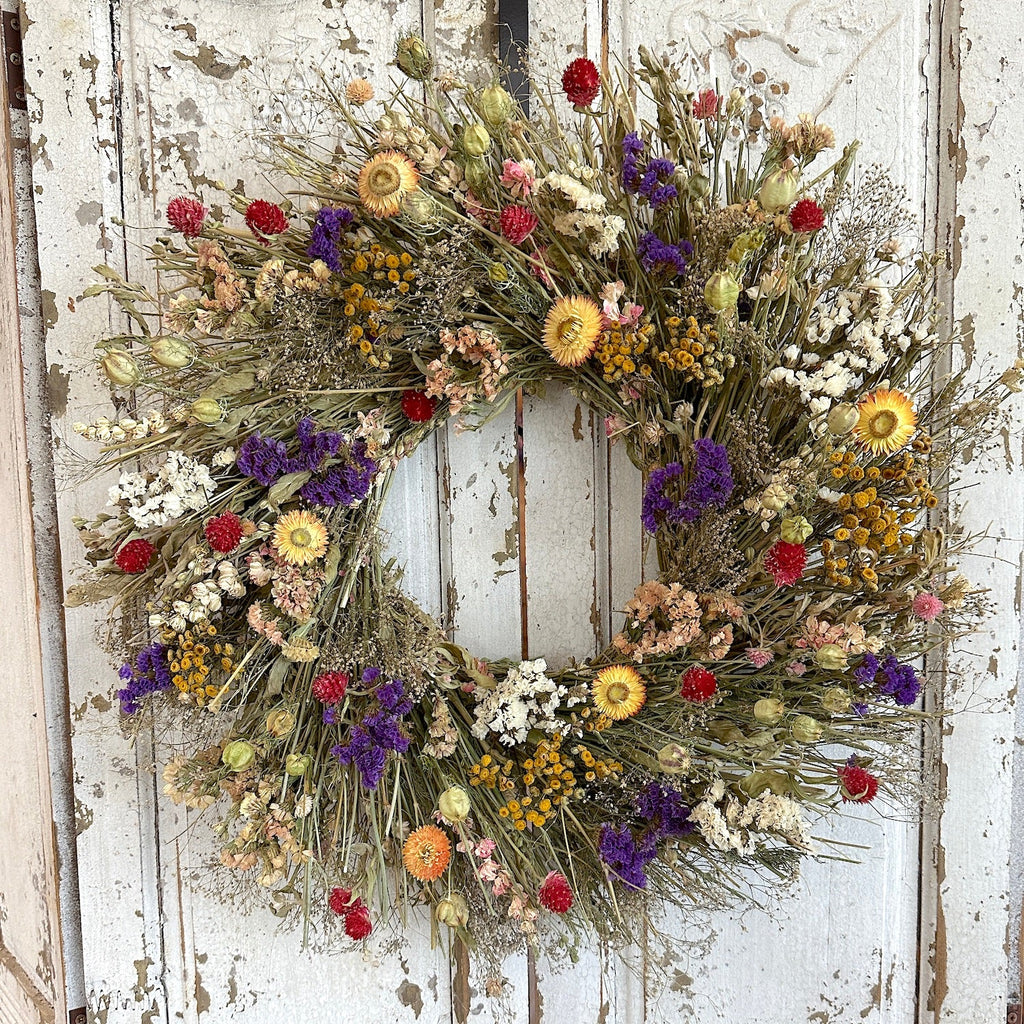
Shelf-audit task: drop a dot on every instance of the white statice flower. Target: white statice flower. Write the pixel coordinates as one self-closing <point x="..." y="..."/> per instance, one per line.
<point x="726" y="823"/>
<point x="570" y="187"/>
<point x="229" y="581"/>
<point x="527" y="698"/>
<point x="224" y="458"/>
<point x="152" y="499"/>
<point x="781" y="815"/>
<point x="714" y="826"/>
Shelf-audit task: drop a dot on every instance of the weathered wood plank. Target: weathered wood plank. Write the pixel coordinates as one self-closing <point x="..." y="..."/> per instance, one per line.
<point x="980" y="222"/>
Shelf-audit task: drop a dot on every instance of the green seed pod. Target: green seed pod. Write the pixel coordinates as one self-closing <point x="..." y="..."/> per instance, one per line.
<point x="796" y="529"/>
<point x="173" y="353"/>
<point x="453" y="804"/>
<point x="413" y="57"/>
<point x="238" y="755"/>
<point x="769" y="711"/>
<point x="842" y="419"/>
<point x="280" y="723"/>
<point x="207" y="410"/>
<point x="452" y="911"/>
<point x="722" y="291"/>
<point x="120" y="368"/>
<point x="836" y="700"/>
<point x="674" y="758"/>
<point x="830" y="657"/>
<point x="779" y="190"/>
<point x="806" y="729"/>
<point x="495" y="105"/>
<point x="476" y="140"/>
<point x="296" y="765"/>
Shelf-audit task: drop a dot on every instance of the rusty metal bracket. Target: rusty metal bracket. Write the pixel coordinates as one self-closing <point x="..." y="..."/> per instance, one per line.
<point x="14" y="69"/>
<point x="77" y="1016"/>
<point x="1013" y="1013"/>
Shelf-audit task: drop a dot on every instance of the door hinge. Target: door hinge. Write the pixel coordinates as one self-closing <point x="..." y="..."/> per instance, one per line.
<point x="14" y="69"/>
<point x="1013" y="1013"/>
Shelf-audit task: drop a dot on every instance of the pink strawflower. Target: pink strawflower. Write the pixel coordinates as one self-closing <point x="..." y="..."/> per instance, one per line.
<point x="518" y="178"/>
<point x="706" y="104"/>
<point x="759" y="657"/>
<point x="928" y="606"/>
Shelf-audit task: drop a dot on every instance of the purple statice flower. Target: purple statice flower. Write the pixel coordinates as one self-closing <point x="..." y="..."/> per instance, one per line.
<point x="897" y="680"/>
<point x="347" y="484"/>
<point x="330" y="714"/>
<point x="860" y="709"/>
<point x="150" y="673"/>
<point x="264" y="459"/>
<point x="325" y="236"/>
<point x="656" y="504"/>
<point x="623" y="857"/>
<point x="632" y="147"/>
<point x="654" y="182"/>
<point x="656" y="254"/>
<point x="711" y="487"/>
<point x="712" y="482"/>
<point x="379" y="733"/>
<point x="664" y="811"/>
<point x="371" y="674"/>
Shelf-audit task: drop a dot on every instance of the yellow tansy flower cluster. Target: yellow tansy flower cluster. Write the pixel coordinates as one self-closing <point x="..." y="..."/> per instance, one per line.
<point x="873" y="524"/>
<point x="621" y="350"/>
<point x="194" y="655"/>
<point x="693" y="351"/>
<point x="381" y="271"/>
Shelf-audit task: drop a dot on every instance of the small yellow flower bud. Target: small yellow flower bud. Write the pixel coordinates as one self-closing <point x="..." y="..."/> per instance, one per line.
<point x="280" y="723"/>
<point x="495" y="105"/>
<point x="722" y="291"/>
<point x="842" y="419"/>
<point x="207" y="410"/>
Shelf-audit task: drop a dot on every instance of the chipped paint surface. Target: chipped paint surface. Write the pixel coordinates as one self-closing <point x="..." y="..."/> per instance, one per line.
<point x="509" y="539"/>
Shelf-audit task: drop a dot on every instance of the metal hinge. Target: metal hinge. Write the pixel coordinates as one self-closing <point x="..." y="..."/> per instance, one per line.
<point x="13" y="65"/>
<point x="77" y="1016"/>
<point x="1013" y="1013"/>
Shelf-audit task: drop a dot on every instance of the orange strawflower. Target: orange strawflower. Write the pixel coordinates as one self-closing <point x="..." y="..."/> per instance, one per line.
<point x="426" y="853"/>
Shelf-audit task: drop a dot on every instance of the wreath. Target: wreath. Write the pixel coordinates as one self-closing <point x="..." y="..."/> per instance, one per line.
<point x="754" y="335"/>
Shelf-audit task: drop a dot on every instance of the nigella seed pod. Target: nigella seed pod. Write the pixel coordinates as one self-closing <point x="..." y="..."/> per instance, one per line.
<point x="674" y="759"/>
<point x="120" y="368"/>
<point x="722" y="291"/>
<point x="238" y="755"/>
<point x="172" y="353"/>
<point x="414" y="58"/>
<point x="296" y="765"/>
<point x="207" y="410"/>
<point x="769" y="711"/>
<point x="453" y="911"/>
<point x="476" y="140"/>
<point x="453" y="804"/>
<point x="779" y="190"/>
<point x="795" y="529"/>
<point x="830" y="657"/>
<point x="836" y="700"/>
<point x="842" y="419"/>
<point x="495" y="105"/>
<point x="420" y="208"/>
<point x="476" y="172"/>
<point x="280" y="723"/>
<point x="806" y="729"/>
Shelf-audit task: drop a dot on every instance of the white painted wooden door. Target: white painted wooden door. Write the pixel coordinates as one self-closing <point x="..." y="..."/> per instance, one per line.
<point x="529" y="543"/>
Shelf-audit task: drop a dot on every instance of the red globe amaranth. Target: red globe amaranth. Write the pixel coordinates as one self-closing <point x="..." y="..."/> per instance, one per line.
<point x="517" y="223"/>
<point x="135" y="556"/>
<point x="186" y="215"/>
<point x="859" y="785"/>
<point x="418" y="406"/>
<point x="357" y="922"/>
<point x="265" y="219"/>
<point x="330" y="687"/>
<point x="785" y="562"/>
<point x="340" y="901"/>
<point x="555" y="894"/>
<point x="581" y="82"/>
<point x="806" y="216"/>
<point x="224" y="532"/>
<point x="699" y="685"/>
